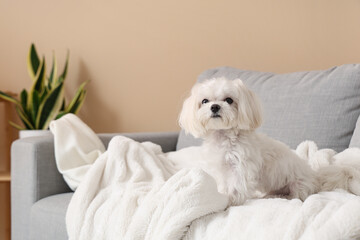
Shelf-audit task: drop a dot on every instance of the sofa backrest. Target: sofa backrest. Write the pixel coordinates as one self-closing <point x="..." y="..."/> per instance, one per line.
<point x="322" y="106"/>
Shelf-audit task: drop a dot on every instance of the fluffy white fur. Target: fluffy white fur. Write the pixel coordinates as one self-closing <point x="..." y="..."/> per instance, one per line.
<point x="334" y="170"/>
<point x="244" y="163"/>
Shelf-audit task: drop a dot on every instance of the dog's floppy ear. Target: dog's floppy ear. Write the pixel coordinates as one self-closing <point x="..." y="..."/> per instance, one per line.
<point x="249" y="107"/>
<point x="187" y="119"/>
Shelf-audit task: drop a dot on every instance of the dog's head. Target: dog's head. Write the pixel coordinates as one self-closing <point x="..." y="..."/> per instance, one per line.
<point x="219" y="104"/>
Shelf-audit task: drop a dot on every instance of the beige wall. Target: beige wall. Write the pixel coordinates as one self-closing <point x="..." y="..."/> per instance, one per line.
<point x="143" y="56"/>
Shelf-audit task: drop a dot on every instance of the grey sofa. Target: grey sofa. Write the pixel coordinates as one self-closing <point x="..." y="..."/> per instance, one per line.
<point x="323" y="106"/>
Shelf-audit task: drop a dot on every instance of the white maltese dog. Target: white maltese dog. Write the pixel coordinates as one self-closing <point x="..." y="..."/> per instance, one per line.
<point x="244" y="163"/>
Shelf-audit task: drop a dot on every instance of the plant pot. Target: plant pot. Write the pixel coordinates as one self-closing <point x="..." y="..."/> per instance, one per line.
<point x="34" y="133"/>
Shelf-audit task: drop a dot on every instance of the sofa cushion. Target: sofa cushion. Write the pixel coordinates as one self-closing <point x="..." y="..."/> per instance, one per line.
<point x="355" y="139"/>
<point x="322" y="106"/>
<point x="187" y="140"/>
<point x="48" y="217"/>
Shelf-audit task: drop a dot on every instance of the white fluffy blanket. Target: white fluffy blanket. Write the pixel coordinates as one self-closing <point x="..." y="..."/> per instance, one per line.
<point x="133" y="191"/>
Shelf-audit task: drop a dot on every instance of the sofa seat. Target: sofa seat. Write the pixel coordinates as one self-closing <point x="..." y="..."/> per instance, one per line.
<point x="47" y="217"/>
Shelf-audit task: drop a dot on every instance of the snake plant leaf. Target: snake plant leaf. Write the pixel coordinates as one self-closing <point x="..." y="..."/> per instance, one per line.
<point x="23" y="101"/>
<point x="44" y="94"/>
<point x="53" y="73"/>
<point x="24" y="118"/>
<point x="40" y="77"/>
<point x="35" y="105"/>
<point x="49" y="109"/>
<point x="78" y="104"/>
<point x="62" y="77"/>
<point x="33" y="62"/>
<point x="16" y="126"/>
<point x="8" y="98"/>
<point x="23" y="98"/>
<point x="38" y="85"/>
<point x="60" y="115"/>
<point x="64" y="73"/>
<point x="81" y="101"/>
<point x="75" y="103"/>
<point x="63" y="106"/>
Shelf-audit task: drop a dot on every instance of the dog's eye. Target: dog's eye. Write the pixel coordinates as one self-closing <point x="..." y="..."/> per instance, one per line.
<point x="205" y="101"/>
<point x="229" y="100"/>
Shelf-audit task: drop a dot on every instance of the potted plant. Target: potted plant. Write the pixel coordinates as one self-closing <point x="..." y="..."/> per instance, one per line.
<point x="45" y="100"/>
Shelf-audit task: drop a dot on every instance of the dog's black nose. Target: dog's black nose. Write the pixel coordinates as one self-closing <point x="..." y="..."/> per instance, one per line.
<point x="215" y="108"/>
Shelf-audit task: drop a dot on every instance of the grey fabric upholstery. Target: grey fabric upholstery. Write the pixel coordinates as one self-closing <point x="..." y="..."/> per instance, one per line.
<point x="187" y="140"/>
<point x="355" y="139"/>
<point x="47" y="218"/>
<point x="322" y="106"/>
<point x="34" y="176"/>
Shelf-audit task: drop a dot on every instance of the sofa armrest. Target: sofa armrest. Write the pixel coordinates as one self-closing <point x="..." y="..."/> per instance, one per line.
<point x="34" y="174"/>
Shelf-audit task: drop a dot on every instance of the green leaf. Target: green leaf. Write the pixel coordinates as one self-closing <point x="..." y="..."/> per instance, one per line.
<point x="33" y="62"/>
<point x="24" y="118"/>
<point x="40" y="77"/>
<point x="53" y="73"/>
<point x="24" y="104"/>
<point x="60" y="115"/>
<point x="8" y="98"/>
<point x="16" y="126"/>
<point x="38" y="85"/>
<point x="35" y="105"/>
<point x="59" y="80"/>
<point x="49" y="109"/>
<point x="23" y="98"/>
<point x="76" y="107"/>
<point x="64" y="73"/>
<point x="75" y="103"/>
<point x="44" y="94"/>
<point x="62" y="106"/>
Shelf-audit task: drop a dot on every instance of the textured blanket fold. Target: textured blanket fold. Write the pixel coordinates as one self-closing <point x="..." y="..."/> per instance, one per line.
<point x="328" y="215"/>
<point x="76" y="148"/>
